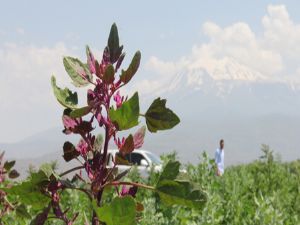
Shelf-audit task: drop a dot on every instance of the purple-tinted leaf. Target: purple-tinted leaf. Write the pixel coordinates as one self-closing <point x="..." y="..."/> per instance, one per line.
<point x="82" y="147"/>
<point x="70" y="151"/>
<point x="69" y="123"/>
<point x="84" y="127"/>
<point x="138" y="137"/>
<point x="91" y="96"/>
<point x="105" y="56"/>
<point x="78" y="72"/>
<point x="129" y="190"/>
<point x="120" y="60"/>
<point x="90" y="60"/>
<point x="109" y="74"/>
<point x="13" y="174"/>
<point x="128" y="146"/>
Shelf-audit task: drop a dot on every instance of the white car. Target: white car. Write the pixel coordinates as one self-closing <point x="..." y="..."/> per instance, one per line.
<point x="144" y="160"/>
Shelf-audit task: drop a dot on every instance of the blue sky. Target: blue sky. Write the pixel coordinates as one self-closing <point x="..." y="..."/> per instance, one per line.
<point x="172" y="35"/>
<point x="168" y="27"/>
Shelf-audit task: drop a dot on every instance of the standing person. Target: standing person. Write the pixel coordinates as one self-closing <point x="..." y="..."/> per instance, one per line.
<point x="219" y="158"/>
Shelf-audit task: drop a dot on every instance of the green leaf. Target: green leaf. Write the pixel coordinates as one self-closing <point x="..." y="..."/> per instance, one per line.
<point x="158" y="117"/>
<point x="122" y="210"/>
<point x="29" y="191"/>
<point x="109" y="74"/>
<point x="78" y="72"/>
<point x="171" y="171"/>
<point x="127" y="115"/>
<point x="9" y="164"/>
<point x="70" y="151"/>
<point x="21" y="212"/>
<point x="133" y="67"/>
<point x="128" y="146"/>
<point x="98" y="143"/>
<point x="113" y="44"/>
<point x="80" y="112"/>
<point x="47" y="169"/>
<point x="64" y="96"/>
<point x="180" y="192"/>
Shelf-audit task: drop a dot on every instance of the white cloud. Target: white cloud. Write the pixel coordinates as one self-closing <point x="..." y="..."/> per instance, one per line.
<point x="237" y="53"/>
<point x="26" y="95"/>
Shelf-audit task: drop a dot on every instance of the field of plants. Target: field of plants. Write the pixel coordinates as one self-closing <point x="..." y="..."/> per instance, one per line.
<point x="266" y="191"/>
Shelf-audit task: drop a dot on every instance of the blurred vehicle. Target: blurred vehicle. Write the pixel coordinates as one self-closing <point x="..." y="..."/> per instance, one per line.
<point x="143" y="159"/>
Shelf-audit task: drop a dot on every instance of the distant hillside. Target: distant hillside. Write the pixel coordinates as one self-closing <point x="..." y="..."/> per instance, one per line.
<point x="243" y="137"/>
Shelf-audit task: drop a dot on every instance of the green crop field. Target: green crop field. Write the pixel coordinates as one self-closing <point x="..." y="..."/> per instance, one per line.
<point x="266" y="191"/>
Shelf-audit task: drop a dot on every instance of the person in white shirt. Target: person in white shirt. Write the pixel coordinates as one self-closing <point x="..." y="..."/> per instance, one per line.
<point x="219" y="158"/>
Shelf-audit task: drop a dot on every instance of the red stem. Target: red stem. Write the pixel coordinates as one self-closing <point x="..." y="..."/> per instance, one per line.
<point x="118" y="183"/>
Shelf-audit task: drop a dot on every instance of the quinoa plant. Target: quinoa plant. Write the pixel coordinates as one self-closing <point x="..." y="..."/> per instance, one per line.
<point x="113" y="112"/>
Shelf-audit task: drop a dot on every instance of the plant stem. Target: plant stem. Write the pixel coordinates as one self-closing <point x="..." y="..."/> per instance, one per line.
<point x="71" y="170"/>
<point x="117" y="183"/>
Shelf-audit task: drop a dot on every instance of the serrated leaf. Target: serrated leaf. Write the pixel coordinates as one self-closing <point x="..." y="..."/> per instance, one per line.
<point x="180" y="192"/>
<point x="170" y="171"/>
<point x="78" y="72"/>
<point x="126" y="116"/>
<point x="128" y="146"/>
<point x="64" y="96"/>
<point x="70" y="151"/>
<point x="126" y="75"/>
<point x="9" y="164"/>
<point x="122" y="210"/>
<point x="80" y="112"/>
<point x="158" y="117"/>
<point x="109" y="74"/>
<point x="13" y="174"/>
<point x="115" y="49"/>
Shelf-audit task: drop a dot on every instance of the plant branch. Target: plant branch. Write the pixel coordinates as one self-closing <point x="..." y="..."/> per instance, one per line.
<point x="118" y="183"/>
<point x="71" y="170"/>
